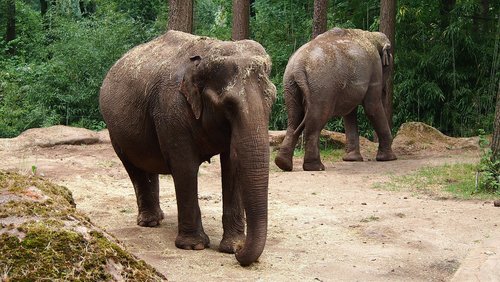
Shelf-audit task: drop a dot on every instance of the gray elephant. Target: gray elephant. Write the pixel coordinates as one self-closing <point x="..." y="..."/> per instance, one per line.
<point x="330" y="76"/>
<point x="176" y="101"/>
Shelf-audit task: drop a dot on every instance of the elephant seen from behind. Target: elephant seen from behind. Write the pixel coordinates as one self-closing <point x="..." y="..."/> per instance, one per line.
<point x="330" y="76"/>
<point x="176" y="101"/>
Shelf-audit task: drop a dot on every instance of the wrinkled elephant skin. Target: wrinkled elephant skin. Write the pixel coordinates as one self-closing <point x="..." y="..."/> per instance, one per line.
<point x="330" y="76"/>
<point x="176" y="101"/>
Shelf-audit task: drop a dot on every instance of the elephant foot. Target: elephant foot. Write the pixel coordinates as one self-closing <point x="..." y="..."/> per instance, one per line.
<point x="386" y="156"/>
<point x="197" y="241"/>
<point x="230" y="244"/>
<point x="352" y="156"/>
<point x="313" y="166"/>
<point x="150" y="218"/>
<point x="283" y="163"/>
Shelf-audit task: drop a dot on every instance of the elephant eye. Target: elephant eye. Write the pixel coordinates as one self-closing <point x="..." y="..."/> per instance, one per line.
<point x="231" y="105"/>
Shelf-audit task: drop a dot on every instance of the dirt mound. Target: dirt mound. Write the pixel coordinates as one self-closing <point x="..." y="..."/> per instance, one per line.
<point x="53" y="136"/>
<point x="43" y="237"/>
<point x="413" y="137"/>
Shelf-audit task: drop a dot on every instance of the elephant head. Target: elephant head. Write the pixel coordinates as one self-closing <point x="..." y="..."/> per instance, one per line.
<point x="230" y="84"/>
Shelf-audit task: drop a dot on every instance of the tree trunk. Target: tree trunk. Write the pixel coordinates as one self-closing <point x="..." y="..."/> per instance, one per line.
<point x="10" y="33"/>
<point x="388" y="27"/>
<point x="241" y="19"/>
<point x="495" y="142"/>
<point x="44" y="6"/>
<point x="319" y="18"/>
<point x="180" y="15"/>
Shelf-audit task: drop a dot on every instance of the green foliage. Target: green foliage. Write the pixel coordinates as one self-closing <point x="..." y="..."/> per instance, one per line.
<point x="445" y="66"/>
<point x="213" y="18"/>
<point x="446" y="70"/>
<point x="61" y="61"/>
<point x="488" y="168"/>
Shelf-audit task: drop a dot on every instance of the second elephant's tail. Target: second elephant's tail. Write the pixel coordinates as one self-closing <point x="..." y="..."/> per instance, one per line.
<point x="302" y="93"/>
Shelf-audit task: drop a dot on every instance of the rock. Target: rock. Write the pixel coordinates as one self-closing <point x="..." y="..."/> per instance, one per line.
<point x="49" y="137"/>
<point x="496" y="203"/>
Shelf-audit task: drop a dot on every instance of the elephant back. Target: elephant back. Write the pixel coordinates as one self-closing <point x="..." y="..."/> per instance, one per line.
<point x="169" y="54"/>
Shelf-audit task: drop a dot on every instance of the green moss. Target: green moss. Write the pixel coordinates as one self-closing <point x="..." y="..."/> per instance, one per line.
<point x="21" y="208"/>
<point x="17" y="183"/>
<point x="46" y="252"/>
<point x="52" y="241"/>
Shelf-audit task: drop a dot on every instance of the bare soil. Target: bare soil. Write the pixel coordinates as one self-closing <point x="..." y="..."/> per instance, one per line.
<point x="339" y="224"/>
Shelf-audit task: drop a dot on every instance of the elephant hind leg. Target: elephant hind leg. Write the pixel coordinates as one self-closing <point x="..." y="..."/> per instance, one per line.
<point x="312" y="159"/>
<point x="147" y="192"/>
<point x="375" y="112"/>
<point x="295" y="109"/>
<point x="352" y="135"/>
<point x="284" y="159"/>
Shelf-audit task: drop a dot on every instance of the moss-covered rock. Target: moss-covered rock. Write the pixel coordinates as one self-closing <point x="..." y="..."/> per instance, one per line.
<point x="43" y="237"/>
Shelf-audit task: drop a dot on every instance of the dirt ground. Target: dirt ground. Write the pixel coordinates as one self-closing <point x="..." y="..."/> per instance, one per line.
<point x="336" y="225"/>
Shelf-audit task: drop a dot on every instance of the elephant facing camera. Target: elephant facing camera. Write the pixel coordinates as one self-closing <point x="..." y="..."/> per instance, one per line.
<point x="176" y="101"/>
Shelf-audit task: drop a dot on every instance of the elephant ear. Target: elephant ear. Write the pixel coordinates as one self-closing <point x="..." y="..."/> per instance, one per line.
<point x="190" y="88"/>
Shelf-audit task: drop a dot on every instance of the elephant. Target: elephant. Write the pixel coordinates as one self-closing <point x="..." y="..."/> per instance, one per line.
<point x="330" y="76"/>
<point x="173" y="103"/>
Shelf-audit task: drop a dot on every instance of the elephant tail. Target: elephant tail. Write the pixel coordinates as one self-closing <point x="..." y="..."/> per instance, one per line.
<point x="299" y="128"/>
<point x="302" y="84"/>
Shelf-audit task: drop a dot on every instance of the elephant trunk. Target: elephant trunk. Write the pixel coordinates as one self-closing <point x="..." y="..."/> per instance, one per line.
<point x="251" y="156"/>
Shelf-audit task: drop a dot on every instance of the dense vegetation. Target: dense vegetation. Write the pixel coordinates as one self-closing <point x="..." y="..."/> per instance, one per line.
<point x="446" y="59"/>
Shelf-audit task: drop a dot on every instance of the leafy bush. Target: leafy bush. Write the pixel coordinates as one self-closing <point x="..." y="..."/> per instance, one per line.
<point x="60" y="63"/>
<point x="488" y="168"/>
<point x="445" y="66"/>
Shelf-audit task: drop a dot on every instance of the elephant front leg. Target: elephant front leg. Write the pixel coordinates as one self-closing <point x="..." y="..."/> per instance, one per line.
<point x="352" y="135"/>
<point x="146" y="186"/>
<point x="295" y="113"/>
<point x="232" y="210"/>
<point x="191" y="235"/>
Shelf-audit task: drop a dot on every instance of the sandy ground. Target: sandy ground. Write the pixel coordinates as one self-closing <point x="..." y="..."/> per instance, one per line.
<point x="336" y="225"/>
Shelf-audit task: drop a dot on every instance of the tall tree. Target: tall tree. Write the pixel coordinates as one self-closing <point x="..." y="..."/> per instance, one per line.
<point x="241" y="19"/>
<point x="180" y="15"/>
<point x="319" y="17"/>
<point x="11" y="24"/>
<point x="388" y="27"/>
<point x="495" y="142"/>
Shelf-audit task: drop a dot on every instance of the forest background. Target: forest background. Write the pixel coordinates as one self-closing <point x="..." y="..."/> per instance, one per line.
<point x="446" y="55"/>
